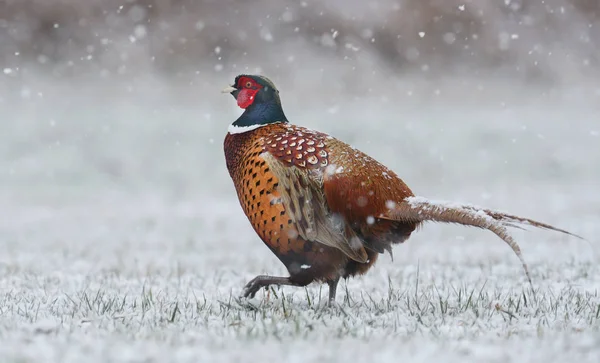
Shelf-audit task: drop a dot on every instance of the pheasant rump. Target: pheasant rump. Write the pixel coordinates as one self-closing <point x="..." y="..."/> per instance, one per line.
<point x="325" y="209"/>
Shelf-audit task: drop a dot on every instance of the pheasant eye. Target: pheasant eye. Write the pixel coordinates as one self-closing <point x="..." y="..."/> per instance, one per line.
<point x="248" y="84"/>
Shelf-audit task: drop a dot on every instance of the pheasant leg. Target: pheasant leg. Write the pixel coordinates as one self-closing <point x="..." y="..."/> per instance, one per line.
<point x="261" y="281"/>
<point x="332" y="290"/>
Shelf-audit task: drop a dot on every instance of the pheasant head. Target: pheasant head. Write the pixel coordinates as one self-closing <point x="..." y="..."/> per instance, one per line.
<point x="260" y="100"/>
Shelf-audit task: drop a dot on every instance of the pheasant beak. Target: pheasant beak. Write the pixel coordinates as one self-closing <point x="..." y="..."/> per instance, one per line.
<point x="229" y="89"/>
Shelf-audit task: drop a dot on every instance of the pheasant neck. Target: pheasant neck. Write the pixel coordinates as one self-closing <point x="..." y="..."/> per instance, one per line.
<point x="258" y="115"/>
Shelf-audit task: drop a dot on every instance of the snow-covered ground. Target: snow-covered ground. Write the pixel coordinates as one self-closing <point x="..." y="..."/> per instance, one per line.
<point x="121" y="238"/>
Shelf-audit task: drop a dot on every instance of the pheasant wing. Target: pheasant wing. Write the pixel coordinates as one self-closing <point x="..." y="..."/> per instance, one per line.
<point x="302" y="194"/>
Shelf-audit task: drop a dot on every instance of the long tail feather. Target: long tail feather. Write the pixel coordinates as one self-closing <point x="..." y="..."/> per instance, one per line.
<point x="505" y="219"/>
<point x="519" y="222"/>
<point x="423" y="209"/>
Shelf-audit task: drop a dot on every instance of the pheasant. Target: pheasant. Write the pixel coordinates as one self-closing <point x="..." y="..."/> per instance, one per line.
<point x="324" y="208"/>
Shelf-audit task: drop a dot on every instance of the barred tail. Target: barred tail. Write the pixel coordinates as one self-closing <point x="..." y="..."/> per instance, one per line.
<point x="422" y="209"/>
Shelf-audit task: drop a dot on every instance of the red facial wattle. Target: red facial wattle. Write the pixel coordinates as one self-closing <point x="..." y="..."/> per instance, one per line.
<point x="246" y="97"/>
<point x="247" y="90"/>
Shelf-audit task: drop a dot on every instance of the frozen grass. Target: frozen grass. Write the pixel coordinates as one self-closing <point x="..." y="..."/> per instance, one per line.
<point x="140" y="284"/>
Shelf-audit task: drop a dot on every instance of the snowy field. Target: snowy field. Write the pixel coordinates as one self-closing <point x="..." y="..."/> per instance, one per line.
<point x="121" y="238"/>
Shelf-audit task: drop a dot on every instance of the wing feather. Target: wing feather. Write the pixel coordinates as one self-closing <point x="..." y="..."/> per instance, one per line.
<point x="302" y="194"/>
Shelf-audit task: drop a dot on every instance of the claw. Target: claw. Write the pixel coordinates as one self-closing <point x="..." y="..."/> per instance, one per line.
<point x="250" y="289"/>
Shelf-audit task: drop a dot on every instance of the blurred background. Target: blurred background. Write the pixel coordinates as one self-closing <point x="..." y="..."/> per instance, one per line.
<point x="107" y="105"/>
<point x="113" y="182"/>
